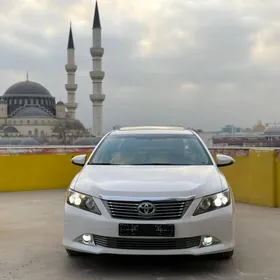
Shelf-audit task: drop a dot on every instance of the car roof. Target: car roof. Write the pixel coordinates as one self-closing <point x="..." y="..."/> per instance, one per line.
<point x="152" y="130"/>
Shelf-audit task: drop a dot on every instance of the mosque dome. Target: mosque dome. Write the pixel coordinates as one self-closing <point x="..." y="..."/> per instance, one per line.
<point x="15" y="141"/>
<point x="74" y="124"/>
<point x="29" y="142"/>
<point x="32" y="112"/>
<point x="10" y="129"/>
<point x="27" y="88"/>
<point x="4" y="142"/>
<point x="29" y="99"/>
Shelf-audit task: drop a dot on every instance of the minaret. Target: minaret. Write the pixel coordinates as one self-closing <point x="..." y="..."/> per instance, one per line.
<point x="97" y="75"/>
<point x="71" y="87"/>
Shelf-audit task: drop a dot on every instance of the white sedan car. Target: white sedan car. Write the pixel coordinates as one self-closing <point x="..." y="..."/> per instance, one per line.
<point x="150" y="191"/>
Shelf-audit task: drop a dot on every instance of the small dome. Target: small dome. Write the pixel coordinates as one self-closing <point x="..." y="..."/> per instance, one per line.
<point x="29" y="142"/>
<point x="31" y="112"/>
<point x="74" y="124"/>
<point x="4" y="141"/>
<point x="7" y="141"/>
<point x="40" y="140"/>
<point x="15" y="141"/>
<point x="10" y="129"/>
<point x="27" y="88"/>
<point x="60" y="103"/>
<point x="55" y="142"/>
<point x="273" y="128"/>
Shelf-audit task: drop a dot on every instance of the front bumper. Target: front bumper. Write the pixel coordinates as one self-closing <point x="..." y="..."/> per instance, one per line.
<point x="218" y="223"/>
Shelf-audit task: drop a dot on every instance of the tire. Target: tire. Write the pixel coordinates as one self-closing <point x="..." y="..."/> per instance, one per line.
<point x="225" y="255"/>
<point x="73" y="253"/>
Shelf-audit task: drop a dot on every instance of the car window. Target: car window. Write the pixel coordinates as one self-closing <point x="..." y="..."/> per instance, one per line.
<point x="151" y="149"/>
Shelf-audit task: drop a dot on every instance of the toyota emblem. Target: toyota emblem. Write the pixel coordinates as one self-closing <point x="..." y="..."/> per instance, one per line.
<point x="146" y="209"/>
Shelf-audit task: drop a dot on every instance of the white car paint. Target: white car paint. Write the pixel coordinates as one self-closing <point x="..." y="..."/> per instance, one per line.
<point x="150" y="183"/>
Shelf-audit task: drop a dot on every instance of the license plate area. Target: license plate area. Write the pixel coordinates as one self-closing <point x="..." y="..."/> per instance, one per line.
<point x="147" y="230"/>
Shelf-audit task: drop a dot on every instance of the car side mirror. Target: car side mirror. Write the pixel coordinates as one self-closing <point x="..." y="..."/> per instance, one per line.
<point x="224" y="160"/>
<point x="79" y="160"/>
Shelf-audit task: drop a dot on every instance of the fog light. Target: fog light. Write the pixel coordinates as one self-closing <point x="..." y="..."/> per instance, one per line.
<point x="207" y="241"/>
<point x="87" y="238"/>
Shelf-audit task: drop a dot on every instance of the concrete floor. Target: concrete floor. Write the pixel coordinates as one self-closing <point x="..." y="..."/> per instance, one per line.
<point x="30" y="247"/>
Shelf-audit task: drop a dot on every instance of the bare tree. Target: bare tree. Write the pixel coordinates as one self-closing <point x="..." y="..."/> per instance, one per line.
<point x="67" y="131"/>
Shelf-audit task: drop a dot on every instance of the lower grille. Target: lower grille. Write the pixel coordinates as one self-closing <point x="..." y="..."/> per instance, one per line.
<point x="147" y="244"/>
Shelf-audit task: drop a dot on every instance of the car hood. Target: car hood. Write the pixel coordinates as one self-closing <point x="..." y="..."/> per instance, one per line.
<point x="149" y="181"/>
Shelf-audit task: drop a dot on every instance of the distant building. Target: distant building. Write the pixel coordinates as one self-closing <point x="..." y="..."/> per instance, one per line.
<point x="28" y="109"/>
<point x="259" y="127"/>
<point x="207" y="138"/>
<point x="231" y="129"/>
<point x="270" y="137"/>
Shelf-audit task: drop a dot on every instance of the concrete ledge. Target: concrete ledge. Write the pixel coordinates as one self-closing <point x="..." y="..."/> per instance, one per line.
<point x="41" y="150"/>
<point x="38" y="168"/>
<point x="253" y="178"/>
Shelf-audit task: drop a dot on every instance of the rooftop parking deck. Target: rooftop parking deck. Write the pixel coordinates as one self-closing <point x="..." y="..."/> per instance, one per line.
<point x="33" y="182"/>
<point x="31" y="235"/>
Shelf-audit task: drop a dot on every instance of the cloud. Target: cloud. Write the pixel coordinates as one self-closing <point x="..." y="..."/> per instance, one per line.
<point x="188" y="87"/>
<point x="183" y="62"/>
<point x="266" y="45"/>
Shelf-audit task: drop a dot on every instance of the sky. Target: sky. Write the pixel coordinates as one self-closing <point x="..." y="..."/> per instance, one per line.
<point x="193" y="63"/>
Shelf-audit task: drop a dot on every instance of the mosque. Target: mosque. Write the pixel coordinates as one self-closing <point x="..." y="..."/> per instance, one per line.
<point x="28" y="109"/>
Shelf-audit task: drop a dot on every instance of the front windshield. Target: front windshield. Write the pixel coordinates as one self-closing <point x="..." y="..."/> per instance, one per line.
<point x="150" y="149"/>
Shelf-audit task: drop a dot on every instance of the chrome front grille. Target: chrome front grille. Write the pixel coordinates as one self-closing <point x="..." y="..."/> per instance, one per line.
<point x="147" y="244"/>
<point x="164" y="210"/>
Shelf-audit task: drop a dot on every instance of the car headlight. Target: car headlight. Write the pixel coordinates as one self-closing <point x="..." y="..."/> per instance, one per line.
<point x="82" y="201"/>
<point x="213" y="202"/>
